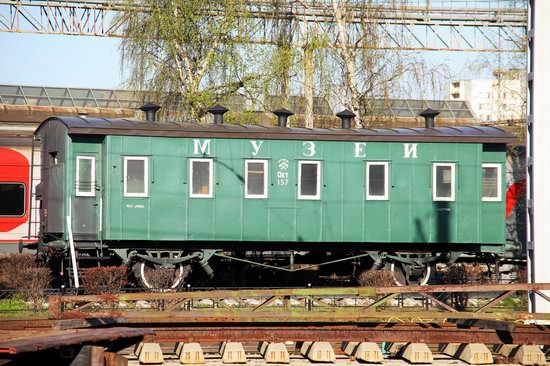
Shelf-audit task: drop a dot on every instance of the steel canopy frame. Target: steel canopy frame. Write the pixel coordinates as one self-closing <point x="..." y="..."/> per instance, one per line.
<point x="450" y="26"/>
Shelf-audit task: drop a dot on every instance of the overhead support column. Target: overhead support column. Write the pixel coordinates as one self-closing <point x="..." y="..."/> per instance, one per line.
<point x="538" y="149"/>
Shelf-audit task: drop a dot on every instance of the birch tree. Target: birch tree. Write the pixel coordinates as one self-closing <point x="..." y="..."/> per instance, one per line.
<point x="188" y="53"/>
<point x="368" y="73"/>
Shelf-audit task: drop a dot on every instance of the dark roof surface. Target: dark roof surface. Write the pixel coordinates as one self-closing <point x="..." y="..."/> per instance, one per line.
<point x="124" y="127"/>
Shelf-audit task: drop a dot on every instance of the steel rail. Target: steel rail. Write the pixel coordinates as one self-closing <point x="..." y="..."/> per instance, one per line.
<point x="279" y="332"/>
<point x="369" y="332"/>
<point x="350" y="316"/>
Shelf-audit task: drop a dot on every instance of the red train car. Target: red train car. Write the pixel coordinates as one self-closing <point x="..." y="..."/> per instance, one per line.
<point x="16" y="211"/>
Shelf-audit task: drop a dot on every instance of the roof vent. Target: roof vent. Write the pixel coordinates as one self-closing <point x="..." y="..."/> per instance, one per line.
<point x="150" y="110"/>
<point x="218" y="111"/>
<point x="282" y="116"/>
<point x="346" y="116"/>
<point x="83" y="114"/>
<point x="429" y="117"/>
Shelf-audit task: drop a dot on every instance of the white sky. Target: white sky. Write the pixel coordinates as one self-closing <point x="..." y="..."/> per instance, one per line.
<point x="94" y="62"/>
<point x="67" y="61"/>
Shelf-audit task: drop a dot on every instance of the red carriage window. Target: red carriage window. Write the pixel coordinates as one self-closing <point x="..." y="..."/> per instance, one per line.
<point x="12" y="197"/>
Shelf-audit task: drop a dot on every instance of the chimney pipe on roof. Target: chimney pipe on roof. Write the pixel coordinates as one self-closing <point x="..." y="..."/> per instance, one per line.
<point x="282" y="116"/>
<point x="346" y="116"/>
<point x="429" y="117"/>
<point x="150" y="110"/>
<point x="218" y="111"/>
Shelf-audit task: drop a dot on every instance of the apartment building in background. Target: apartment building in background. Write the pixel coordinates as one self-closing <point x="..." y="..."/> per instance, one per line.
<point x="501" y="100"/>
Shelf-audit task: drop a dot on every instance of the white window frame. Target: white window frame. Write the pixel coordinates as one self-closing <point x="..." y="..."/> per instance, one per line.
<point x="145" y="159"/>
<point x="80" y="193"/>
<point x="434" y="181"/>
<point x="498" y="198"/>
<point x="308" y="197"/>
<point x="210" y="179"/>
<point x="266" y="178"/>
<point x="386" y="174"/>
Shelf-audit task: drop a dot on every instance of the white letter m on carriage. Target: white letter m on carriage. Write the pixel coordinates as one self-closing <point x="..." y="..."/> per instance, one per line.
<point x="203" y="148"/>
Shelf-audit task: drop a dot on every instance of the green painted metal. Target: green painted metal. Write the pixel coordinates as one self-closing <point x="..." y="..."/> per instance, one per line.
<point x="342" y="214"/>
<point x="85" y="211"/>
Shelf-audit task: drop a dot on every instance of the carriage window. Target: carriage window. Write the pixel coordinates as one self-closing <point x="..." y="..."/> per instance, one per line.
<point x="85" y="176"/>
<point x="308" y="180"/>
<point x="377" y="181"/>
<point x="443" y="182"/>
<point x="201" y="178"/>
<point x="136" y="174"/>
<point x="491" y="185"/>
<point x="256" y="179"/>
<point x="12" y="196"/>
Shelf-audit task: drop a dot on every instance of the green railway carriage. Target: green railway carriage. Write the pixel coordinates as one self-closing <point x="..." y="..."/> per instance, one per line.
<point x="166" y="194"/>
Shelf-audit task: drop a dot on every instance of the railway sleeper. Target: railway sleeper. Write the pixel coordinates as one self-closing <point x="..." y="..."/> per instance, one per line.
<point x="473" y="353"/>
<point x="525" y="354"/>
<point x="370" y="352"/>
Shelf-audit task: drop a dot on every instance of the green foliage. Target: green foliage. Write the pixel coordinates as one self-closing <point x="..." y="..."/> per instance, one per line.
<point x="15" y="306"/>
<point x="281" y="66"/>
<point x="242" y="118"/>
<point x="182" y="55"/>
<point x="12" y="304"/>
<point x="189" y="55"/>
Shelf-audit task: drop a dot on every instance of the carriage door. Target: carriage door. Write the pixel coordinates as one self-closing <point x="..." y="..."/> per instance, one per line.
<point x="86" y="202"/>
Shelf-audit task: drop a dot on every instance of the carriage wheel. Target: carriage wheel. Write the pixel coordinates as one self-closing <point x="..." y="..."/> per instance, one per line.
<point x="406" y="274"/>
<point x="156" y="277"/>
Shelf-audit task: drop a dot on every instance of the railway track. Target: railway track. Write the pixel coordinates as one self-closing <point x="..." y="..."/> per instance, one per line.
<point x="410" y="320"/>
<point x="161" y="340"/>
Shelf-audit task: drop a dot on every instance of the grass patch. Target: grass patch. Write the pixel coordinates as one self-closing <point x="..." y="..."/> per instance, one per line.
<point x="15" y="307"/>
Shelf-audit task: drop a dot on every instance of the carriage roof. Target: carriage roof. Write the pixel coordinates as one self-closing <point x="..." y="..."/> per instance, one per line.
<point x="126" y="127"/>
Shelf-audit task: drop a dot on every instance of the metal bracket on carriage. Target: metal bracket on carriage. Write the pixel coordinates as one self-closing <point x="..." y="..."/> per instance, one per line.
<point x="204" y="257"/>
<point x="168" y="261"/>
<point x="419" y="260"/>
<point x="58" y="245"/>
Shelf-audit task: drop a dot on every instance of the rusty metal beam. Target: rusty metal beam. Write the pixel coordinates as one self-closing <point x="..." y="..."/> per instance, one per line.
<point x="255" y="317"/>
<point x="426" y="333"/>
<point x="439" y="303"/>
<point x="312" y="306"/>
<point x="495" y="301"/>
<point x="266" y="303"/>
<point x="56" y="339"/>
<point x="324" y="291"/>
<point x="381" y="301"/>
<point x="544" y="296"/>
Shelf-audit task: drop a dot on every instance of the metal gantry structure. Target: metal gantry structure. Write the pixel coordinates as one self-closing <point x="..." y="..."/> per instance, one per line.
<point x="46" y="96"/>
<point x="450" y="25"/>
